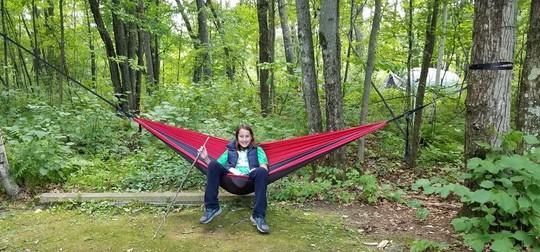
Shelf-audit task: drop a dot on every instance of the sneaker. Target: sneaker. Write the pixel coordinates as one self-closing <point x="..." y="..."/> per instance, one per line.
<point x="209" y="215"/>
<point x="261" y="224"/>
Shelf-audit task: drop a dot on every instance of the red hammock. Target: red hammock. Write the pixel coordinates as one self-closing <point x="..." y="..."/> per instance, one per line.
<point x="284" y="156"/>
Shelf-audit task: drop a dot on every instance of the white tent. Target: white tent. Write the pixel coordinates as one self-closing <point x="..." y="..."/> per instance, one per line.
<point x="448" y="80"/>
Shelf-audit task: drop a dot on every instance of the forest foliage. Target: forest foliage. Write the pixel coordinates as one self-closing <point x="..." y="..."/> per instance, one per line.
<point x="58" y="135"/>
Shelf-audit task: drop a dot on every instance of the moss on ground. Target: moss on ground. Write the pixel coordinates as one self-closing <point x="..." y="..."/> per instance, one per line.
<point x="99" y="227"/>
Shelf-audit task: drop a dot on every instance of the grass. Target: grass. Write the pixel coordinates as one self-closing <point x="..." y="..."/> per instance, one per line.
<point x="101" y="227"/>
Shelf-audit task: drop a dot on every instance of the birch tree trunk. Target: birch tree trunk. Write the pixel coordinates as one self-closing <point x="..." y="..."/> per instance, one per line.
<point x="488" y="93"/>
<point x="370" y="65"/>
<point x="528" y="119"/>
<point x="9" y="186"/>
<point x="307" y="62"/>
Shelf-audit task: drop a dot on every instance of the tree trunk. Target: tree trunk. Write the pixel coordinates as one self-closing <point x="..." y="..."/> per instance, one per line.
<point x="63" y="67"/>
<point x="5" y="66"/>
<point x="370" y="65"/>
<point x="488" y="92"/>
<point x="272" y="49"/>
<point x="111" y="53"/>
<point x="93" y="65"/>
<point x="204" y="56"/>
<point x="331" y="50"/>
<point x="287" y="39"/>
<point x="441" y="46"/>
<point x="528" y="119"/>
<point x="9" y="186"/>
<point x="230" y="67"/>
<point x="429" y="47"/>
<point x="264" y="56"/>
<point x="307" y="63"/>
<point x="37" y="63"/>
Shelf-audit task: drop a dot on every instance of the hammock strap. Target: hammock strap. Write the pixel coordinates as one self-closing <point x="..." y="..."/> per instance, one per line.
<point x="116" y="107"/>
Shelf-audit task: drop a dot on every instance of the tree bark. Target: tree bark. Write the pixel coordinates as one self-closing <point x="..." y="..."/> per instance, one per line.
<point x="370" y="65"/>
<point x="528" y="119"/>
<point x="331" y="50"/>
<point x="10" y="187"/>
<point x="264" y="56"/>
<point x="287" y="40"/>
<point x="111" y="53"/>
<point x="204" y="56"/>
<point x="307" y="62"/>
<point x="488" y="92"/>
<point x="429" y="47"/>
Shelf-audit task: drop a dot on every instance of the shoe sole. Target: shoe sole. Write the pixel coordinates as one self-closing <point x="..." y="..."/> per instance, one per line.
<point x="209" y="220"/>
<point x="255" y="224"/>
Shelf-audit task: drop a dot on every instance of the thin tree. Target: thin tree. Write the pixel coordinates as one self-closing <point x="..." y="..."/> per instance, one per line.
<point x="287" y="40"/>
<point x="370" y="65"/>
<point x="264" y="56"/>
<point x="429" y="47"/>
<point x="489" y="91"/>
<point x="331" y="50"/>
<point x="204" y="71"/>
<point x="307" y="63"/>
<point x="528" y="118"/>
<point x="230" y="64"/>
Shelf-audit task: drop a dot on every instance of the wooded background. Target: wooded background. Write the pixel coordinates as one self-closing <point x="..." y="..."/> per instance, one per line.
<point x="72" y="69"/>
<point x="310" y="61"/>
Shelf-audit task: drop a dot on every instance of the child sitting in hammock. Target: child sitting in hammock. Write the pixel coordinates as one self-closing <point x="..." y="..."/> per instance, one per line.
<point x="242" y="156"/>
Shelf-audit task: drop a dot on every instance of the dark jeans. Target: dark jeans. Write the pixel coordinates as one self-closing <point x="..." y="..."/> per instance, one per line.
<point x="214" y="173"/>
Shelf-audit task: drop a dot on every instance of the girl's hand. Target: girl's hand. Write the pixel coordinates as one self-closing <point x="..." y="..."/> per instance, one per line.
<point x="203" y="154"/>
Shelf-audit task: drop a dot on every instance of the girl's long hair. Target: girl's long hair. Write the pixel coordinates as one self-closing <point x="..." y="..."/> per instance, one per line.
<point x="248" y="128"/>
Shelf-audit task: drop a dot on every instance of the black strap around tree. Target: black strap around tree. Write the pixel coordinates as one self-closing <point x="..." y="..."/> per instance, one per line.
<point x="504" y="65"/>
<point x="116" y="107"/>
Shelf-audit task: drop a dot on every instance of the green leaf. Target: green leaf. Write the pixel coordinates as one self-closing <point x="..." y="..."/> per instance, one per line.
<point x="461" y="224"/>
<point x="461" y="190"/>
<point x="445" y="190"/>
<point x="524" y="237"/>
<point x="491" y="167"/>
<point x="504" y="244"/>
<point x="506" y="182"/>
<point x="524" y="203"/>
<point x="487" y="184"/>
<point x="420" y="183"/>
<point x="481" y="196"/>
<point x="474" y="162"/>
<point x="536" y="206"/>
<point x="506" y="202"/>
<point x="531" y="139"/>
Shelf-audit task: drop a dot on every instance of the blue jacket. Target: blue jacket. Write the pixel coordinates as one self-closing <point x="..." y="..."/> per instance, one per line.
<point x="253" y="160"/>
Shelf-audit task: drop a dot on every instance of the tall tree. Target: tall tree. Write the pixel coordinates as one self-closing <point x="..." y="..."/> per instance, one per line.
<point x="264" y="56"/>
<point x="203" y="72"/>
<point x="528" y="119"/>
<point x="287" y="40"/>
<point x="429" y="47"/>
<point x="121" y="52"/>
<point x="307" y="63"/>
<point x="488" y="92"/>
<point x="370" y="65"/>
<point x="331" y="51"/>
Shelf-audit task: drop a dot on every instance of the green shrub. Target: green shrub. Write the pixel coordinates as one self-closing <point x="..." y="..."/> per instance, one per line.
<point x="504" y="194"/>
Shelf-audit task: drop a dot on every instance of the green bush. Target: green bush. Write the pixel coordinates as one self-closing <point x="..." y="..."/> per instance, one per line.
<point x="504" y="193"/>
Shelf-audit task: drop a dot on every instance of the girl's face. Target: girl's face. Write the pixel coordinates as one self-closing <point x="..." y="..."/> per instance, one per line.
<point x="244" y="138"/>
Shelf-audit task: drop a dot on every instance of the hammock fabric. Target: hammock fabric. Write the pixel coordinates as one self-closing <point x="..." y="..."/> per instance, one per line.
<point x="284" y="156"/>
